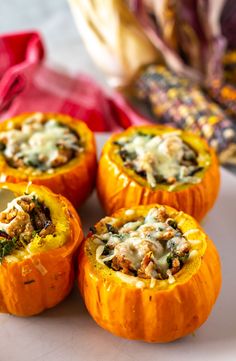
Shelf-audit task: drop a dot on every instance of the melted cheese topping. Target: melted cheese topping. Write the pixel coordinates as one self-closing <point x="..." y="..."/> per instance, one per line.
<point x="160" y="159"/>
<point x="151" y="247"/>
<point x="40" y="144"/>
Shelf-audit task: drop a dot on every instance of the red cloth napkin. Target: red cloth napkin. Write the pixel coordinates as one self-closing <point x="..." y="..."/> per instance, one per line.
<point x="27" y="85"/>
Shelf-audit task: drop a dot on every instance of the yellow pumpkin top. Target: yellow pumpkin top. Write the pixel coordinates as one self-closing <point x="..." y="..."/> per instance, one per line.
<point x="146" y="246"/>
<point x="159" y="157"/>
<point x="33" y="222"/>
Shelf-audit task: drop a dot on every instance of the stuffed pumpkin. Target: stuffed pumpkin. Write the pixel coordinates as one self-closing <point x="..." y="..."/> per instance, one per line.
<point x="54" y="150"/>
<point x="39" y="235"/>
<point x="155" y="164"/>
<point x="149" y="273"/>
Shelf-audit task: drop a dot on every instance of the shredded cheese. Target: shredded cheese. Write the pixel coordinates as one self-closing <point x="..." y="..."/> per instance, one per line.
<point x="146" y="247"/>
<point x="129" y="212"/>
<point x="195" y="241"/>
<point x="152" y="282"/>
<point x="130" y="279"/>
<point x="99" y="252"/>
<point x="190" y="231"/>
<point x="160" y="158"/>
<point x="193" y="254"/>
<point x="171" y="278"/>
<point x="39" y="144"/>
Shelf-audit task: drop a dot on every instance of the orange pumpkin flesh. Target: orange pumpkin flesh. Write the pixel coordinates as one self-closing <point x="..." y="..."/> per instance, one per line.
<point x="74" y="180"/>
<point x="43" y="279"/>
<point x="118" y="186"/>
<point x="160" y="314"/>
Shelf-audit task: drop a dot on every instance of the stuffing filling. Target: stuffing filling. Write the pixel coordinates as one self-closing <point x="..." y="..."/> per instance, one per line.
<point x="23" y="219"/>
<point x="147" y="247"/>
<point x="164" y="159"/>
<point x="40" y="144"/>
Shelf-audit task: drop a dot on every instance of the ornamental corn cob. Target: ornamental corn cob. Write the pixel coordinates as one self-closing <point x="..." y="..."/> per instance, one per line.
<point x="178" y="102"/>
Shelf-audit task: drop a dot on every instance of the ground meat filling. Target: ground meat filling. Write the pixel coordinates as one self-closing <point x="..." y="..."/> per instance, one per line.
<point x="150" y="247"/>
<point x="23" y="219"/>
<point x="40" y="144"/>
<point x="164" y="159"/>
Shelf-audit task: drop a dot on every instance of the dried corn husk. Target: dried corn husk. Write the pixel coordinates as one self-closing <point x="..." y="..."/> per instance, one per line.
<point x="113" y="38"/>
<point x="190" y="28"/>
<point x="121" y="41"/>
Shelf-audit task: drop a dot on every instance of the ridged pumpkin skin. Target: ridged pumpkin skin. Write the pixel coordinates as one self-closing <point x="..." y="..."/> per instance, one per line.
<point x="163" y="313"/>
<point x="74" y="180"/>
<point x="119" y="187"/>
<point x="31" y="285"/>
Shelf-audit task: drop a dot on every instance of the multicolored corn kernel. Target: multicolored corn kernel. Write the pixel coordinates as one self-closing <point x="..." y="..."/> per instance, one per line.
<point x="225" y="96"/>
<point x="229" y="63"/>
<point x="178" y="102"/>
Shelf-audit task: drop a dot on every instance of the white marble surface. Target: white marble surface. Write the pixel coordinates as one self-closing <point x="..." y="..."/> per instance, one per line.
<point x="53" y="19"/>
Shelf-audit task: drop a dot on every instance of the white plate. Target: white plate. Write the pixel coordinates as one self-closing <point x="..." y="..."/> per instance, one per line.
<point x="68" y="333"/>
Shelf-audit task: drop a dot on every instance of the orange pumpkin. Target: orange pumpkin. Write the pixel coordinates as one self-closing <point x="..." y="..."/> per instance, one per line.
<point x="39" y="277"/>
<point x="119" y="186"/>
<point x="74" y="180"/>
<point x="134" y="307"/>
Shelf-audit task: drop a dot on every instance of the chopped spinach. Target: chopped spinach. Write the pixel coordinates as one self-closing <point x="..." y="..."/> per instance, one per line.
<point x="142" y="173"/>
<point x="196" y="170"/>
<point x="184" y="258"/>
<point x="6" y="247"/>
<point x="142" y="134"/>
<point x="106" y="251"/>
<point x="159" y="178"/>
<point x="32" y="162"/>
<point x="116" y="142"/>
<point x="126" y="156"/>
<point x="108" y="263"/>
<point x="169" y="260"/>
<point x="36" y="201"/>
<point x="171" y="222"/>
<point x="34" y="233"/>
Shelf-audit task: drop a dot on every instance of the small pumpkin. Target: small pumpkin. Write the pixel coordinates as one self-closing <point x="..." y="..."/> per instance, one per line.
<point x="40" y="233"/>
<point x="122" y="182"/>
<point x="155" y="308"/>
<point x="73" y="169"/>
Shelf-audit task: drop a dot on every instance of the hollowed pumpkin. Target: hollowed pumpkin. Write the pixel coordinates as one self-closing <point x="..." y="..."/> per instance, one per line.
<point x="136" y="308"/>
<point x="119" y="186"/>
<point x="74" y="180"/>
<point x="40" y="274"/>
